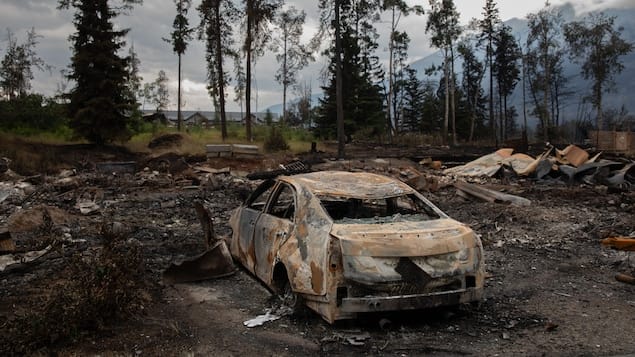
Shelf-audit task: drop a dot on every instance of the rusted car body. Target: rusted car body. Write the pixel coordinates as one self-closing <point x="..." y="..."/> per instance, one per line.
<point x="349" y="243"/>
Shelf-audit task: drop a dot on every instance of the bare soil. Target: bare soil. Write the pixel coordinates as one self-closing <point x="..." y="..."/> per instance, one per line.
<point x="550" y="287"/>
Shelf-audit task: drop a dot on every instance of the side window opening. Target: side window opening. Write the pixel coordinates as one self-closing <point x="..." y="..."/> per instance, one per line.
<point x="259" y="197"/>
<point x="283" y="205"/>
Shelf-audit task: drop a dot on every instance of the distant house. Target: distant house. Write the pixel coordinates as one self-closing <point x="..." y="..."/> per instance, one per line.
<point x="155" y="118"/>
<point x="255" y="119"/>
<point x="209" y="118"/>
<point x="197" y="119"/>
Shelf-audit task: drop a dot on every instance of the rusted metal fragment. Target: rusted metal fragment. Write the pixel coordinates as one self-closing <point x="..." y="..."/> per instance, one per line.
<point x="541" y="165"/>
<point x="572" y="155"/>
<point x="205" y="217"/>
<point x="620" y="243"/>
<point x="590" y="168"/>
<point x="617" y="178"/>
<point x="487" y="165"/>
<point x="423" y="183"/>
<point x="519" y="162"/>
<point x="216" y="262"/>
<point x="491" y="195"/>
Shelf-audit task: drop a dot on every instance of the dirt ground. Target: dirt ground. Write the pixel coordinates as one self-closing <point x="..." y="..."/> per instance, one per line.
<point x="550" y="288"/>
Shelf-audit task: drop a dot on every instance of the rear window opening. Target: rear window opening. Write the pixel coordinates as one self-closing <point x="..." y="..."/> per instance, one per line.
<point x="406" y="208"/>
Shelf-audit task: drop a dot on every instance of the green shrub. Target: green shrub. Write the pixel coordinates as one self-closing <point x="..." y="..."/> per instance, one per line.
<point x="275" y="141"/>
<point x="31" y="114"/>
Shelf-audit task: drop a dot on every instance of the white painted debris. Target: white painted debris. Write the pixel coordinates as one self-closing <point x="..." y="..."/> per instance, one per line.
<point x="261" y="319"/>
<point x="270" y="315"/>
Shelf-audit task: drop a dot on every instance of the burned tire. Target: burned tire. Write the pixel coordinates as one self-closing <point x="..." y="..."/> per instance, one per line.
<point x="290" y="299"/>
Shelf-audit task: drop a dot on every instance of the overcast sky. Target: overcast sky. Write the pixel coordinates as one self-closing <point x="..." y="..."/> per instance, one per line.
<point x="152" y="21"/>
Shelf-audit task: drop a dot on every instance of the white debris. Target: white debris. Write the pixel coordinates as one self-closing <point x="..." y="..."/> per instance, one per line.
<point x="261" y="319"/>
<point x="270" y="315"/>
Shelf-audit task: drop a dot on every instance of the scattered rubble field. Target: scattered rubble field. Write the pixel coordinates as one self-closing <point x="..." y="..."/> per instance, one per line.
<point x="550" y="285"/>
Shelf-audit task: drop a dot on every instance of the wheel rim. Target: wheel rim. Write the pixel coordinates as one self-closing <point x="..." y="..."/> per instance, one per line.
<point x="288" y="297"/>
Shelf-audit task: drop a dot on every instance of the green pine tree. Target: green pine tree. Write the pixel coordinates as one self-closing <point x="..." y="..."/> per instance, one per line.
<point x="99" y="108"/>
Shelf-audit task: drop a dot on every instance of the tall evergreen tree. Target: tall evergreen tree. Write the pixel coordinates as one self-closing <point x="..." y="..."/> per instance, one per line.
<point x="179" y="39"/>
<point x="413" y="101"/>
<point x="99" y="108"/>
<point x="217" y="17"/>
<point x="361" y="97"/>
<point x="598" y="46"/>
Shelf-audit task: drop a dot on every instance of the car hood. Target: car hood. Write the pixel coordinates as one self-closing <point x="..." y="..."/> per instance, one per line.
<point x="403" y="239"/>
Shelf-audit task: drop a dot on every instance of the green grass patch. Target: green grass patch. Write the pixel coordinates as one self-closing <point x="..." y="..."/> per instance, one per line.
<point x="195" y="138"/>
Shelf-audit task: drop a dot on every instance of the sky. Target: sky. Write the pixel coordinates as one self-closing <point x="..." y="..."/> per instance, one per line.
<point x="152" y="21"/>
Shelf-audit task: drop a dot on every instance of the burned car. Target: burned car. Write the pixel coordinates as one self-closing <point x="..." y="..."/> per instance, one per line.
<point x="345" y="243"/>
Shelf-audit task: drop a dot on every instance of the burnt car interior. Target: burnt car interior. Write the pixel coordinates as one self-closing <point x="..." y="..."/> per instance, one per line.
<point x="258" y="199"/>
<point x="377" y="210"/>
<point x="283" y="204"/>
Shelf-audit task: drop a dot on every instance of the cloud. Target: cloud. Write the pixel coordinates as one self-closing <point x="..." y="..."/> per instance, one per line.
<point x="584" y="6"/>
<point x="152" y="21"/>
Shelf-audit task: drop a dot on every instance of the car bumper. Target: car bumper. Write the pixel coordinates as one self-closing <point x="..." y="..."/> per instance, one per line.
<point x="410" y="302"/>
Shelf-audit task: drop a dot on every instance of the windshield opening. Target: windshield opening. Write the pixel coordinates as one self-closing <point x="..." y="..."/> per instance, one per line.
<point x="378" y="210"/>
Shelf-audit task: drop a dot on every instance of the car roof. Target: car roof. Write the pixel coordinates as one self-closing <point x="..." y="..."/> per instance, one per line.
<point x="361" y="185"/>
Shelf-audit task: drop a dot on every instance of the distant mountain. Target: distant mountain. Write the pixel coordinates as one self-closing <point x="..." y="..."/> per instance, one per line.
<point x="624" y="83"/>
<point x="277" y="108"/>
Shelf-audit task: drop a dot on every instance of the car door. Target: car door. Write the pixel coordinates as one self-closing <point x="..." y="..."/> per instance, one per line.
<point x="273" y="228"/>
<point x="250" y="212"/>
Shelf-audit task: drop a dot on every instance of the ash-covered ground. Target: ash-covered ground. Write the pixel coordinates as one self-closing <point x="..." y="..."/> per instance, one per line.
<point x="550" y="287"/>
